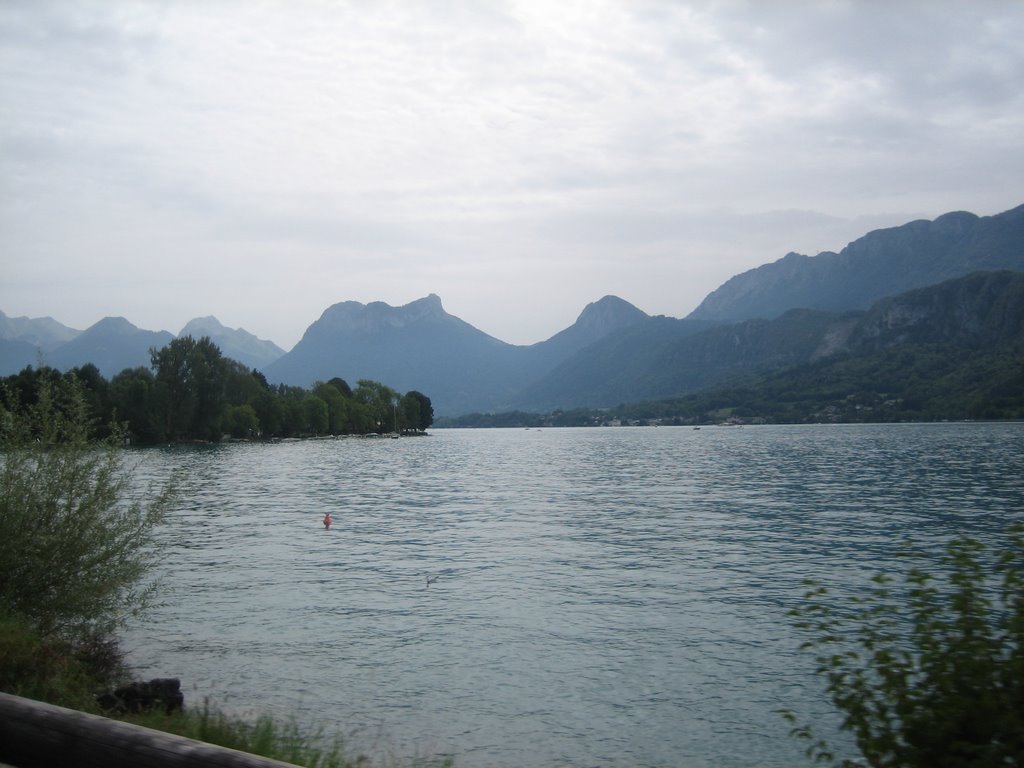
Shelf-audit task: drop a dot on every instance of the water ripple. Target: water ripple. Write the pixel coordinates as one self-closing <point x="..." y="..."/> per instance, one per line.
<point x="605" y="597"/>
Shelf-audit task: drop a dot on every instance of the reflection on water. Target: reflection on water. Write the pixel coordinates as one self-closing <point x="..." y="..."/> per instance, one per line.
<point x="610" y="597"/>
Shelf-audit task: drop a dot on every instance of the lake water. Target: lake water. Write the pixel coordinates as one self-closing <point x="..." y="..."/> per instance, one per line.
<point x="604" y="597"/>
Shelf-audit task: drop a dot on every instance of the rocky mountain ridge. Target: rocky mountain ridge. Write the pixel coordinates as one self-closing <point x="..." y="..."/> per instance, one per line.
<point x="236" y="343"/>
<point x="420" y="346"/>
<point x="882" y="263"/>
<point x="794" y="310"/>
<point x="42" y="332"/>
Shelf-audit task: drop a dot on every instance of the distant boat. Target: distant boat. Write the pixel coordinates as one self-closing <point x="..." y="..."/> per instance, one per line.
<point x="396" y="434"/>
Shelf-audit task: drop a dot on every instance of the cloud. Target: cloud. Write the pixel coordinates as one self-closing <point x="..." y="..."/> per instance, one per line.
<point x="313" y="152"/>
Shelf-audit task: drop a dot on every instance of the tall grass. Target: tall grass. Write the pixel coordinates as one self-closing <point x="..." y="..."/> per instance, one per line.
<point x="265" y="736"/>
<point x="286" y="741"/>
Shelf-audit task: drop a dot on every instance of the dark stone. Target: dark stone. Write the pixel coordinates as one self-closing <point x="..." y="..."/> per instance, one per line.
<point x="145" y="696"/>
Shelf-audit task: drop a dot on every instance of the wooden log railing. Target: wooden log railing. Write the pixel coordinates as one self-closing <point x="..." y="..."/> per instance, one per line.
<point x="36" y="734"/>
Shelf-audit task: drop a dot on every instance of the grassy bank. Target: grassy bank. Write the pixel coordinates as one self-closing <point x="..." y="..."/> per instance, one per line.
<point x="70" y="674"/>
<point x="266" y="736"/>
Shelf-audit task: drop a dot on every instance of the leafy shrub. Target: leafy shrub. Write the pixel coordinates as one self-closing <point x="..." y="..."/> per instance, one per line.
<point x="42" y="670"/>
<point x="72" y="550"/>
<point x="932" y="677"/>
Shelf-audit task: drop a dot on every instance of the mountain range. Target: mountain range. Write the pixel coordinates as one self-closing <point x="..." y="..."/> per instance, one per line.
<point x="114" y="344"/>
<point x="420" y="346"/>
<point x="795" y="310"/>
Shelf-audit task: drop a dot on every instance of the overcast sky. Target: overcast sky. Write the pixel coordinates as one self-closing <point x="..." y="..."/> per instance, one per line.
<point x="260" y="161"/>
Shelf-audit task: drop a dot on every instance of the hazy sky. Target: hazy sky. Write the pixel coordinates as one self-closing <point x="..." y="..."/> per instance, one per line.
<point x="260" y="161"/>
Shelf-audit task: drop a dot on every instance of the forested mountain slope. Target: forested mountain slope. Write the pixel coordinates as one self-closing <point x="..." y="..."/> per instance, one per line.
<point x="980" y="311"/>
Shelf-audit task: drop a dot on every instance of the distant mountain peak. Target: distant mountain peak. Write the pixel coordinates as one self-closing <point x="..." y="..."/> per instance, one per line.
<point x="117" y="325"/>
<point x="353" y="316"/>
<point x="431" y="300"/>
<point x="202" y="326"/>
<point x="428" y="307"/>
<point x="236" y="343"/>
<point x="597" y="320"/>
<point x="414" y="346"/>
<point x="42" y="332"/>
<point x="112" y="344"/>
<point x="609" y="313"/>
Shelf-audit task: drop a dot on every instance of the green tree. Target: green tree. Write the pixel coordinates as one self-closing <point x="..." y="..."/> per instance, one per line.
<point x="209" y="382"/>
<point x="173" y="369"/>
<point x="381" y="402"/>
<point x="134" y="399"/>
<point x="317" y="419"/>
<point x="270" y="412"/>
<point x="96" y="391"/>
<point x="337" y="407"/>
<point x="241" y="421"/>
<point x="418" y="410"/>
<point x="408" y="412"/>
<point x="295" y="420"/>
<point x="192" y="376"/>
<point x="342" y="386"/>
<point x="260" y="379"/>
<point x="23" y="387"/>
<point x="932" y="677"/>
<point x="72" y="549"/>
<point x="240" y="385"/>
<point x="361" y="419"/>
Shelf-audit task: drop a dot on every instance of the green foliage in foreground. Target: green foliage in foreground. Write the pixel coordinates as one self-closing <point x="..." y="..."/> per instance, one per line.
<point x="932" y="677"/>
<point x="56" y="671"/>
<point x="72" y="548"/>
<point x="72" y="562"/>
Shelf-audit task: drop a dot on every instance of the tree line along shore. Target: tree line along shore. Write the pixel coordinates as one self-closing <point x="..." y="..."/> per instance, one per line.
<point x="192" y="392"/>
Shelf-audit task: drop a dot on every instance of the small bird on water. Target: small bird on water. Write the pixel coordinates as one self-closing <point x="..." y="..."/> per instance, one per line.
<point x="432" y="579"/>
